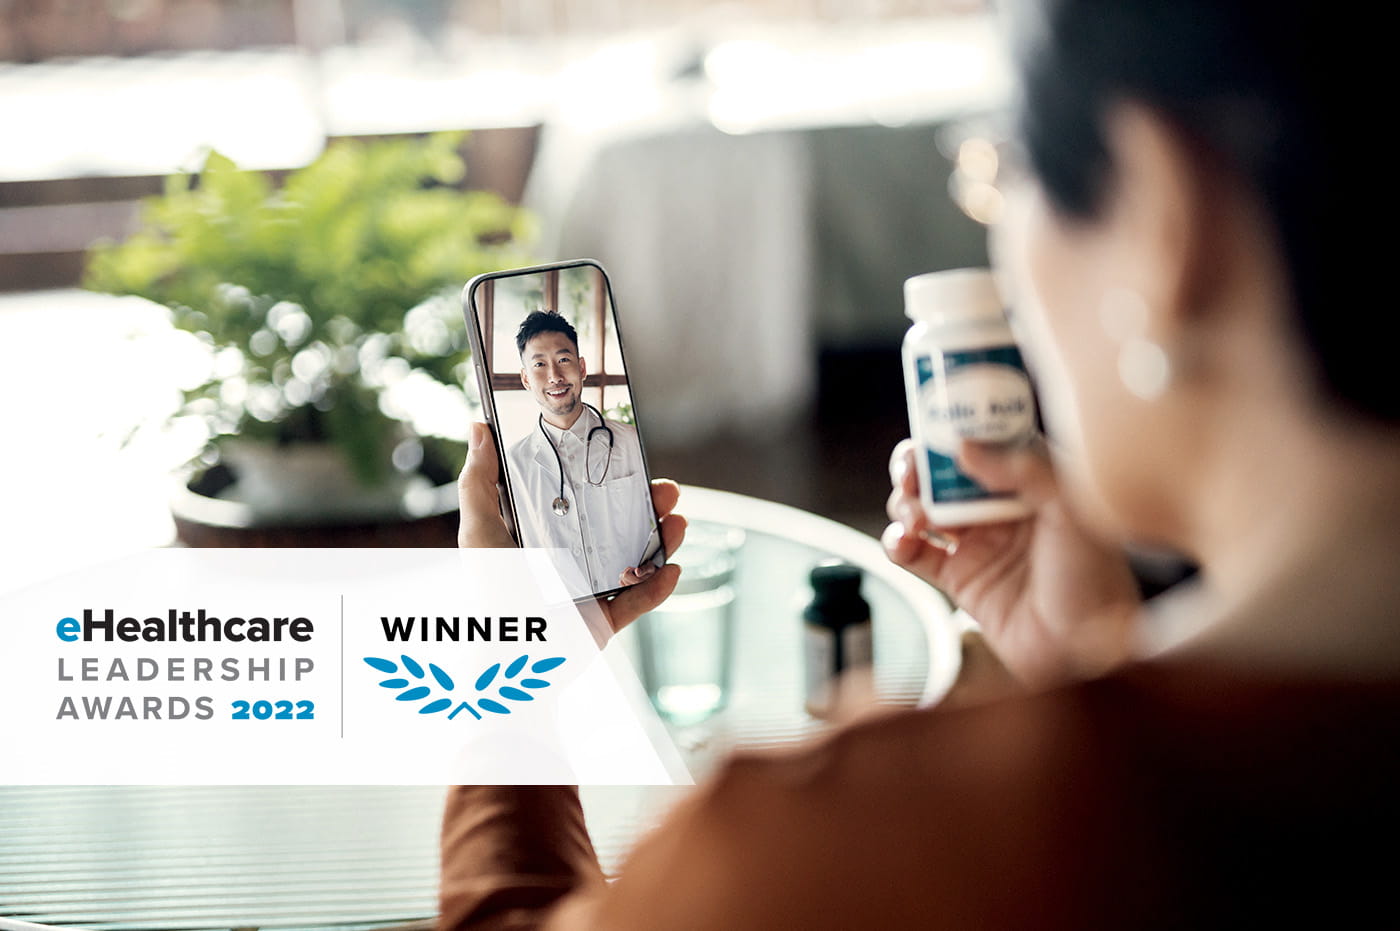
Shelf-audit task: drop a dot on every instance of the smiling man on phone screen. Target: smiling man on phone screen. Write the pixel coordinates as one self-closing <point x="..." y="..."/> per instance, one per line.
<point x="581" y="486"/>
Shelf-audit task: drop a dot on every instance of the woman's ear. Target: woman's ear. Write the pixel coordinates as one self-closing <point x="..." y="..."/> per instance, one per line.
<point x="1168" y="209"/>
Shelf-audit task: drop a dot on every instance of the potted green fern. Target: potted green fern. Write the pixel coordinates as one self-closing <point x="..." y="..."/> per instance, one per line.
<point x="328" y="306"/>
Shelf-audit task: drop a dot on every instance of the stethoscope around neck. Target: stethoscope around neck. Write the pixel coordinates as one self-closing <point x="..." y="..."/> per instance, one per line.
<point x="560" y="505"/>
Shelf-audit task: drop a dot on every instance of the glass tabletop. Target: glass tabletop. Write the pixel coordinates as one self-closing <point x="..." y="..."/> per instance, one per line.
<point x="915" y="650"/>
<point x="162" y="858"/>
<point x="168" y="857"/>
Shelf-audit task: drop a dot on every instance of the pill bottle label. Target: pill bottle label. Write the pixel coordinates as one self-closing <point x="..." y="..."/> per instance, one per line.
<point x="857" y="645"/>
<point x="976" y="394"/>
<point x="823" y="666"/>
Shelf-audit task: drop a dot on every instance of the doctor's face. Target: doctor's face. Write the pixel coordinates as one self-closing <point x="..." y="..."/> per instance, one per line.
<point x="552" y="371"/>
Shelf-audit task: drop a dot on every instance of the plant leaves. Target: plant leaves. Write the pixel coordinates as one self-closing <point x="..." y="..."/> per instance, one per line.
<point x="534" y="683"/>
<point x="441" y="704"/>
<point x="443" y="678"/>
<point x="412" y="667"/>
<point x="394" y="683"/>
<point x="490" y="705"/>
<point x="514" y="668"/>
<point x="365" y="233"/>
<point x="545" y="665"/>
<point x="383" y="665"/>
<point x="421" y="691"/>
<point x="486" y="677"/>
<point x="515" y="694"/>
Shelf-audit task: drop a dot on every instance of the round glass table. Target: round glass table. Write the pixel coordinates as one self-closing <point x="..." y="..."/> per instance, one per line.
<point x="160" y="858"/>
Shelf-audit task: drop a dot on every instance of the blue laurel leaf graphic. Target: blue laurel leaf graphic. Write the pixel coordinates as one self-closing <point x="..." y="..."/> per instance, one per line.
<point x="415" y="692"/>
<point x="435" y="704"/>
<point x="485" y="678"/>
<point x="458" y="710"/>
<point x="443" y="678"/>
<point x="509" y="692"/>
<point x="490" y="705"/>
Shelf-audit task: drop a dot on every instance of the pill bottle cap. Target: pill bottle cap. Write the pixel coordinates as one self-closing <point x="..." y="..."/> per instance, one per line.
<point x="955" y="296"/>
<point x="836" y="595"/>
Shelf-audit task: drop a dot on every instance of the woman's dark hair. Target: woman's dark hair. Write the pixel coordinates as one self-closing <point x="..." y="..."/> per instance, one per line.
<point x="543" y="321"/>
<point x="1259" y="86"/>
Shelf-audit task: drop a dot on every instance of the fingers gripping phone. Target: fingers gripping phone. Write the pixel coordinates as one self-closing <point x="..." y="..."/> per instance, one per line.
<point x="553" y="383"/>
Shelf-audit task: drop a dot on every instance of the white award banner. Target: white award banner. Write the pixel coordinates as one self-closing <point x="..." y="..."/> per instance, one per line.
<point x="320" y="666"/>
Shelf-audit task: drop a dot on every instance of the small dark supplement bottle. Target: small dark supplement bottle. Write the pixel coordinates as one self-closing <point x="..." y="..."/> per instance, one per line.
<point x="836" y="633"/>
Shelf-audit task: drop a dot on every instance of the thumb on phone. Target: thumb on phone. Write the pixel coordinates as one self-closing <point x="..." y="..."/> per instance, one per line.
<point x="481" y="523"/>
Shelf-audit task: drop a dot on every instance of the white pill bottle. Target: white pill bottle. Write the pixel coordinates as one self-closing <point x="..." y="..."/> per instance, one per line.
<point x="964" y="379"/>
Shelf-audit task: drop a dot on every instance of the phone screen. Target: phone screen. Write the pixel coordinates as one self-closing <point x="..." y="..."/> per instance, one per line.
<point x="553" y="381"/>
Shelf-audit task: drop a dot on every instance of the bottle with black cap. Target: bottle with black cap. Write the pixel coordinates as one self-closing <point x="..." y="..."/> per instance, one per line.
<point x="836" y="633"/>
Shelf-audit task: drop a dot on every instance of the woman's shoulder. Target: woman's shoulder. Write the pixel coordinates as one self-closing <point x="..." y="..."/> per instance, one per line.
<point x="1194" y="708"/>
<point x="1157" y="718"/>
<point x="1163" y="789"/>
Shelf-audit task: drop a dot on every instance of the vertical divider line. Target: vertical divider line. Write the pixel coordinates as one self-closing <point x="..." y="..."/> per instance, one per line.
<point x="342" y="665"/>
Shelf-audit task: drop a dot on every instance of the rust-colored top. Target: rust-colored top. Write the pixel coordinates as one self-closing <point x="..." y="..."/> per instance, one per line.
<point x="1164" y="795"/>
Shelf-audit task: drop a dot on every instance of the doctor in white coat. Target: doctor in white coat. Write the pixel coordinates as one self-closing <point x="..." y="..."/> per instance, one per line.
<point x="577" y="479"/>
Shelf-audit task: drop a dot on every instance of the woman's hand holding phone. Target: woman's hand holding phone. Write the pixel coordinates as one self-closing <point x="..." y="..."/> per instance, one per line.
<point x="483" y="527"/>
<point x="1052" y="600"/>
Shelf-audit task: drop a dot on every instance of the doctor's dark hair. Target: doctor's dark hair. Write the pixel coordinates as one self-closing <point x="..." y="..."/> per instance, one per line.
<point x="1259" y="88"/>
<point x="543" y="321"/>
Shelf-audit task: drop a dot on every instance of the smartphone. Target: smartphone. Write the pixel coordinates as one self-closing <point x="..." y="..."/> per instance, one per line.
<point x="553" y="383"/>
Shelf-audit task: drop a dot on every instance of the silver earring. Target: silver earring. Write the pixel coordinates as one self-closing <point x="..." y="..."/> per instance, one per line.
<point x="1143" y="365"/>
<point x="1144" y="368"/>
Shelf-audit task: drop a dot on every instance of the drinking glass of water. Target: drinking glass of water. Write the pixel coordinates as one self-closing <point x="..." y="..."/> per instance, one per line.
<point x="687" y="643"/>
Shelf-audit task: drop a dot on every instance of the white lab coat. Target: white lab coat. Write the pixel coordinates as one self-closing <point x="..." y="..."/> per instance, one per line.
<point x="609" y="527"/>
